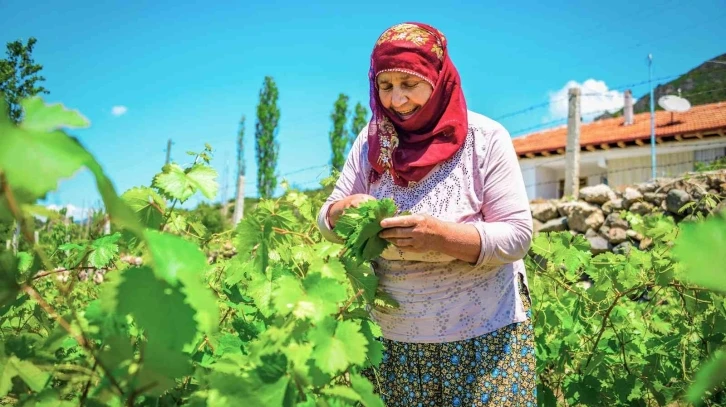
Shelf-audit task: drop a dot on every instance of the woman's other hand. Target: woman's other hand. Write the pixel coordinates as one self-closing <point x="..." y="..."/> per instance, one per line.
<point x="337" y="209"/>
<point x="422" y="233"/>
<point x="416" y="233"/>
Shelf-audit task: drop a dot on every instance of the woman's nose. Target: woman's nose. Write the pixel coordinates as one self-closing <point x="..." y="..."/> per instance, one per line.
<point x="398" y="99"/>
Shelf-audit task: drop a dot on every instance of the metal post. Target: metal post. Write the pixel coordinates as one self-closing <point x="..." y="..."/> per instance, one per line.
<point x="652" y="118"/>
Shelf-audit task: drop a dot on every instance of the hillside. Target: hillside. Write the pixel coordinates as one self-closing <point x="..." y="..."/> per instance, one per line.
<point x="702" y="85"/>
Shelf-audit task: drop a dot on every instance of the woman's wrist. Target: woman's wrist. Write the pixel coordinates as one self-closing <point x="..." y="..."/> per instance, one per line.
<point x="459" y="240"/>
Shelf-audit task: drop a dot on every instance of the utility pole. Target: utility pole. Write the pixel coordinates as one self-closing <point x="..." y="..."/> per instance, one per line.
<point x="572" y="153"/>
<point x="168" y="151"/>
<point x="652" y="118"/>
<point x="225" y="185"/>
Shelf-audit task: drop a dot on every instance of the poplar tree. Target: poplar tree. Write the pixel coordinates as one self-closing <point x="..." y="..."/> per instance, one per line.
<point x="267" y="148"/>
<point x="239" y="202"/>
<point x="19" y="76"/>
<point x="338" y="138"/>
<point x="359" y="121"/>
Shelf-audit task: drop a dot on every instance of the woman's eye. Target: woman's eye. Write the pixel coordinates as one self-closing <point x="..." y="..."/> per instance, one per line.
<point x="410" y="85"/>
<point x="385" y="88"/>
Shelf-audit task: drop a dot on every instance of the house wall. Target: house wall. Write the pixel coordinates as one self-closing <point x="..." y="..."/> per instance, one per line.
<point x="632" y="170"/>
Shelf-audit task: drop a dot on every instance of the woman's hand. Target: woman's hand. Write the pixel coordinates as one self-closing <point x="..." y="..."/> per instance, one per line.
<point x="422" y="233"/>
<point x="416" y="233"/>
<point x="337" y="209"/>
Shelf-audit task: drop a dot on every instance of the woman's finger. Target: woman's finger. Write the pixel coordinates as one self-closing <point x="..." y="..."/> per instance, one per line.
<point x="396" y="233"/>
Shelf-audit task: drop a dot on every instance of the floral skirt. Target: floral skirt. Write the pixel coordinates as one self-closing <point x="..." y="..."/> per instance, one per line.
<point x="495" y="369"/>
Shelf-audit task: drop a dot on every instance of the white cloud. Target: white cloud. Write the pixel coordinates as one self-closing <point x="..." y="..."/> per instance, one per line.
<point x="596" y="98"/>
<point x="119" y="110"/>
<point x="72" y="210"/>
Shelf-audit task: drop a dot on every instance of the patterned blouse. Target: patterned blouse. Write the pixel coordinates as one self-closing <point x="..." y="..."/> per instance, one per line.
<point x="443" y="299"/>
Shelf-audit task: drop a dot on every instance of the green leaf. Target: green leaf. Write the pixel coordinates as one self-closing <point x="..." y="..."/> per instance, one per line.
<point x="372" y="332"/>
<point x="710" y="375"/>
<point x="45" y="118"/>
<point x="359" y="228"/>
<point x="147" y="204"/>
<point x="157" y="307"/>
<point x="25" y="260"/>
<point x="699" y="247"/>
<point x="181" y="184"/>
<point x="343" y="392"/>
<point x="35" y="378"/>
<point x="230" y="390"/>
<point x="9" y="287"/>
<point x="34" y="161"/>
<point x="162" y="366"/>
<point x="338" y="345"/>
<point x="103" y="250"/>
<point x="316" y="298"/>
<point x="177" y="260"/>
<point x="361" y="277"/>
<point x="365" y="389"/>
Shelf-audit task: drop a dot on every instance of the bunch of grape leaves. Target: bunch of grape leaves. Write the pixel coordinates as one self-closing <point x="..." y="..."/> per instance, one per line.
<point x="359" y="228"/>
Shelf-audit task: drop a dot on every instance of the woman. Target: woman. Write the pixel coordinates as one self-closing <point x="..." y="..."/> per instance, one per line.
<point x="461" y="335"/>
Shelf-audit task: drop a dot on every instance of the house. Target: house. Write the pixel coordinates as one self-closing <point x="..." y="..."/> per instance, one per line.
<point x="617" y="152"/>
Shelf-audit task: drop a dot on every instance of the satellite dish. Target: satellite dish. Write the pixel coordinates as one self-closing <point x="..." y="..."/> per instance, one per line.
<point x="673" y="103"/>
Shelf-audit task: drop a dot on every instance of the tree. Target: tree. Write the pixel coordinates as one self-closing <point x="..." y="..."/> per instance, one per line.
<point x="19" y="76"/>
<point x="267" y="149"/>
<point x="239" y="202"/>
<point x="338" y="139"/>
<point x="358" y="122"/>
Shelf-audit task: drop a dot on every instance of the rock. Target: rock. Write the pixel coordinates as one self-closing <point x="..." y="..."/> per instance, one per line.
<point x="631" y="196"/>
<point x="722" y="187"/>
<point x="543" y="211"/>
<point x="720" y="207"/>
<point x="654" y="198"/>
<point x="536" y="225"/>
<point x="646" y="187"/>
<point x="598" y="194"/>
<point x="613" y="206"/>
<point x="675" y="200"/>
<point x="604" y="230"/>
<point x="645" y="243"/>
<point x="642" y="208"/>
<point x="623" y="248"/>
<point x="615" y="221"/>
<point x="582" y="216"/>
<point x="555" y="225"/>
<point x="634" y="235"/>
<point x="598" y="244"/>
<point x="616" y="235"/>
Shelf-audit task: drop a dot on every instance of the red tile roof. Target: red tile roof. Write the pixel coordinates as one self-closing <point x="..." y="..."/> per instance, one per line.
<point x="699" y="120"/>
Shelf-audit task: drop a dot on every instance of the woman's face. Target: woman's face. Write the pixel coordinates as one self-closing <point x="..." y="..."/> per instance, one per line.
<point x="402" y="93"/>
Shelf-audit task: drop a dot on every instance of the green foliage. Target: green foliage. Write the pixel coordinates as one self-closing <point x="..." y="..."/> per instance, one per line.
<point x="717" y="164"/>
<point x="358" y="122"/>
<point x="241" y="148"/>
<point x="284" y="322"/>
<point x="637" y="335"/>
<point x="338" y="136"/>
<point x="19" y="77"/>
<point x="359" y="228"/>
<point x="267" y="148"/>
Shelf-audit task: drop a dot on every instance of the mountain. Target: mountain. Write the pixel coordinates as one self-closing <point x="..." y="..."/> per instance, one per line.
<point x="701" y="85"/>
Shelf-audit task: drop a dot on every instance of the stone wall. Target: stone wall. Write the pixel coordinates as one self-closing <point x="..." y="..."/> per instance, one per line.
<point x="596" y="214"/>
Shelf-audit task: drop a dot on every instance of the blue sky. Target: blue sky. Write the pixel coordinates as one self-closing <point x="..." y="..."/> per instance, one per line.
<point x="187" y="71"/>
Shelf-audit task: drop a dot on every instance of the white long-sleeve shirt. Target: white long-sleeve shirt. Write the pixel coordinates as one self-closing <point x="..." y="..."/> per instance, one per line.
<point x="443" y="299"/>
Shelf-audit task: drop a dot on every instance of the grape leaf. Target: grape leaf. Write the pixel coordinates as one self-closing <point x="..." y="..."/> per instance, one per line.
<point x="147" y="204"/>
<point x="34" y="160"/>
<point x="9" y="287"/>
<point x="359" y="228"/>
<point x="344" y="392"/>
<point x="177" y="260"/>
<point x="37" y="116"/>
<point x="157" y="307"/>
<point x="365" y="389"/>
<point x="103" y="250"/>
<point x="35" y="378"/>
<point x="710" y="375"/>
<point x="176" y="182"/>
<point x="699" y="247"/>
<point x="161" y="367"/>
<point x="316" y="298"/>
<point x="361" y="277"/>
<point x="337" y="345"/>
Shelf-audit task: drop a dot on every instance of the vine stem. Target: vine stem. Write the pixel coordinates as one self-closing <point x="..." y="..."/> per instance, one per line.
<point x="605" y="320"/>
<point x="47" y="308"/>
<point x="48" y="273"/>
<point x="291" y="232"/>
<point x="349" y="302"/>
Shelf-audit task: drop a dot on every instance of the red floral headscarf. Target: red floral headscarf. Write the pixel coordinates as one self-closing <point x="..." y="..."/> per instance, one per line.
<point x="409" y="149"/>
